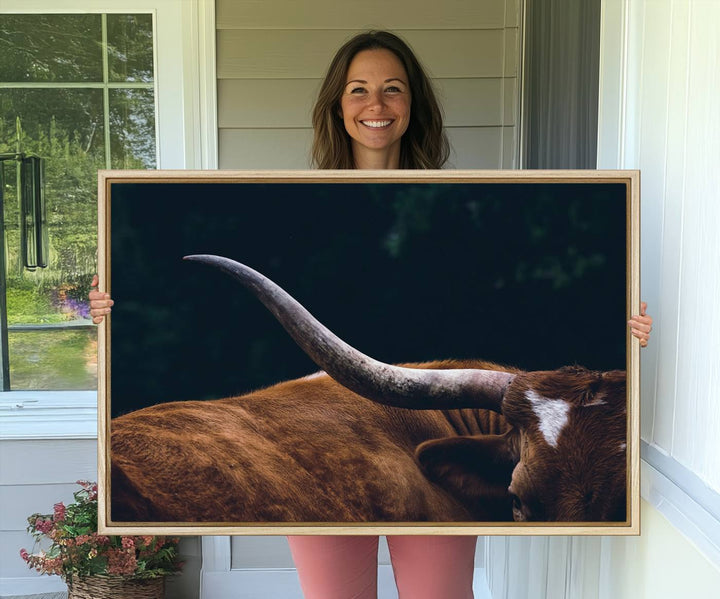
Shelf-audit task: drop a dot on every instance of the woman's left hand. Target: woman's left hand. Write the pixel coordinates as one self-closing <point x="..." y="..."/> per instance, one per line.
<point x="641" y="325"/>
<point x="100" y="302"/>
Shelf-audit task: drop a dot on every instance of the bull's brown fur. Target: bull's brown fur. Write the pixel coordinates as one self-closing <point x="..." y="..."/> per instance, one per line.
<point x="309" y="450"/>
<point x="303" y="450"/>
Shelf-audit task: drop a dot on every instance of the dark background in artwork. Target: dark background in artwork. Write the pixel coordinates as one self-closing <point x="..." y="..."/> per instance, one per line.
<point x="531" y="275"/>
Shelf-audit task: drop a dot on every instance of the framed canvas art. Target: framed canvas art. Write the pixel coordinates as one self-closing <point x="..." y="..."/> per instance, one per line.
<point x="369" y="352"/>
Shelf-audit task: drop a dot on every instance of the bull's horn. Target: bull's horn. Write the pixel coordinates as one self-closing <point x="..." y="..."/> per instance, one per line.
<point x="383" y="383"/>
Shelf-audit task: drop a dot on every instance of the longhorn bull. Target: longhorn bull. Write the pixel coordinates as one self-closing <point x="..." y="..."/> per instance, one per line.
<point x="373" y="442"/>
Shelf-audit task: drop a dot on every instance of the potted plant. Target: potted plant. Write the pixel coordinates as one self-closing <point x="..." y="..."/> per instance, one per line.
<point x="97" y="566"/>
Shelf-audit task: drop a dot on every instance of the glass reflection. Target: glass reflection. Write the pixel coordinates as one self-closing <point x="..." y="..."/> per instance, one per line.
<point x="43" y="48"/>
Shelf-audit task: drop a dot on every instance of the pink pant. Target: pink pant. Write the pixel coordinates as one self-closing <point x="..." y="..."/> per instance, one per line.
<point x="345" y="567"/>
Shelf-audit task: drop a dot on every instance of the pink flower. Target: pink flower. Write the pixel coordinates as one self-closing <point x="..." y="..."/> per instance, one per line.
<point x="128" y="543"/>
<point x="121" y="562"/>
<point x="59" y="509"/>
<point x="53" y="565"/>
<point x="82" y="539"/>
<point x="25" y="555"/>
<point x="43" y="526"/>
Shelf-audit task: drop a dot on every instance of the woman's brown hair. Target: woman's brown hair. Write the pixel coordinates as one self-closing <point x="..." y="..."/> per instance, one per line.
<point x="424" y="144"/>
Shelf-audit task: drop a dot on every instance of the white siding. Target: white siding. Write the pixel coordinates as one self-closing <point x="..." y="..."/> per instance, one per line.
<point x="672" y="133"/>
<point x="35" y="475"/>
<point x="271" y="59"/>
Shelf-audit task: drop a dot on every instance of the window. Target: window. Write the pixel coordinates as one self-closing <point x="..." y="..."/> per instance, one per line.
<point x="77" y="91"/>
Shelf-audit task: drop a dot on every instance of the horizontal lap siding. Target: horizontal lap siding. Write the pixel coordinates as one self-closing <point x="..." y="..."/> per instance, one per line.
<point x="287" y="103"/>
<point x="34" y="475"/>
<point x="264" y="148"/>
<point x="271" y="59"/>
<point x="306" y="54"/>
<point x="334" y="14"/>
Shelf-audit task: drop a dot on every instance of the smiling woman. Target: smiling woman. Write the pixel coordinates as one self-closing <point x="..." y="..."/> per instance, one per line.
<point x="365" y="103"/>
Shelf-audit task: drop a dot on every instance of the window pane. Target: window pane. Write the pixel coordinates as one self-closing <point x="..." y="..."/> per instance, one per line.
<point x="53" y="122"/>
<point x="52" y="344"/>
<point x="132" y="128"/>
<point x="65" y="128"/>
<point x="130" y="47"/>
<point x="50" y="48"/>
<point x="54" y="359"/>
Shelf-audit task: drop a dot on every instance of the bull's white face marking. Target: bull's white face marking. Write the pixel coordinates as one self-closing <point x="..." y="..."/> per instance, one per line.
<point x="552" y="415"/>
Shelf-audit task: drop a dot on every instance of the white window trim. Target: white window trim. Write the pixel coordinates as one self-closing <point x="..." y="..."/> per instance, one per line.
<point x="48" y="415"/>
<point x="186" y="122"/>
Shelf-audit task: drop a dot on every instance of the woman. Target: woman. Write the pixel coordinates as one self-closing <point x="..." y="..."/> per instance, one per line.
<point x="363" y="117"/>
<point x="377" y="110"/>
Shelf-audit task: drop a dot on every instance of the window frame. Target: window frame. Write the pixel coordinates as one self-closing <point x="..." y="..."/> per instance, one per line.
<point x="184" y="77"/>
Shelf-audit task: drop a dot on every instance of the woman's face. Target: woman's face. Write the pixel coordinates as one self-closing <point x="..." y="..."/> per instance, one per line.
<point x="375" y="104"/>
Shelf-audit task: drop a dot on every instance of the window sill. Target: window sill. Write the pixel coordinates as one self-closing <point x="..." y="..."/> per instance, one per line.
<point x="48" y="415"/>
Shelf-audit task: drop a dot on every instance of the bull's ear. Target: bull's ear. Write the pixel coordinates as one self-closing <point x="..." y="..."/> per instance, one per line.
<point x="475" y="470"/>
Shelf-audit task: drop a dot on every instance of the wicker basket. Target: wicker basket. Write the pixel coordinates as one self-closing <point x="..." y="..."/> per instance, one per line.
<point x="116" y="587"/>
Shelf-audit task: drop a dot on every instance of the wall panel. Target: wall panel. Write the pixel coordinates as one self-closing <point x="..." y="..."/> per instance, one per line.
<point x="271" y="59"/>
<point x="35" y="475"/>
<point x="291" y="53"/>
<point x="266" y="103"/>
<point x="475" y="147"/>
<point x="697" y="422"/>
<point x="288" y="103"/>
<point x="331" y="14"/>
<point x="265" y="148"/>
<point x="654" y="86"/>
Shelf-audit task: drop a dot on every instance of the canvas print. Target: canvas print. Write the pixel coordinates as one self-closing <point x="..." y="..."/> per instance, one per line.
<point x="386" y="354"/>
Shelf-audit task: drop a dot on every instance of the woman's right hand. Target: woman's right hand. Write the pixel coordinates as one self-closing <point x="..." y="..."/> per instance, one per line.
<point x="100" y="302"/>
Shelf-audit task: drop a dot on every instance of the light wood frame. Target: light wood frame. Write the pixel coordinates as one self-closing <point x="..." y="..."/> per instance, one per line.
<point x="631" y="180"/>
